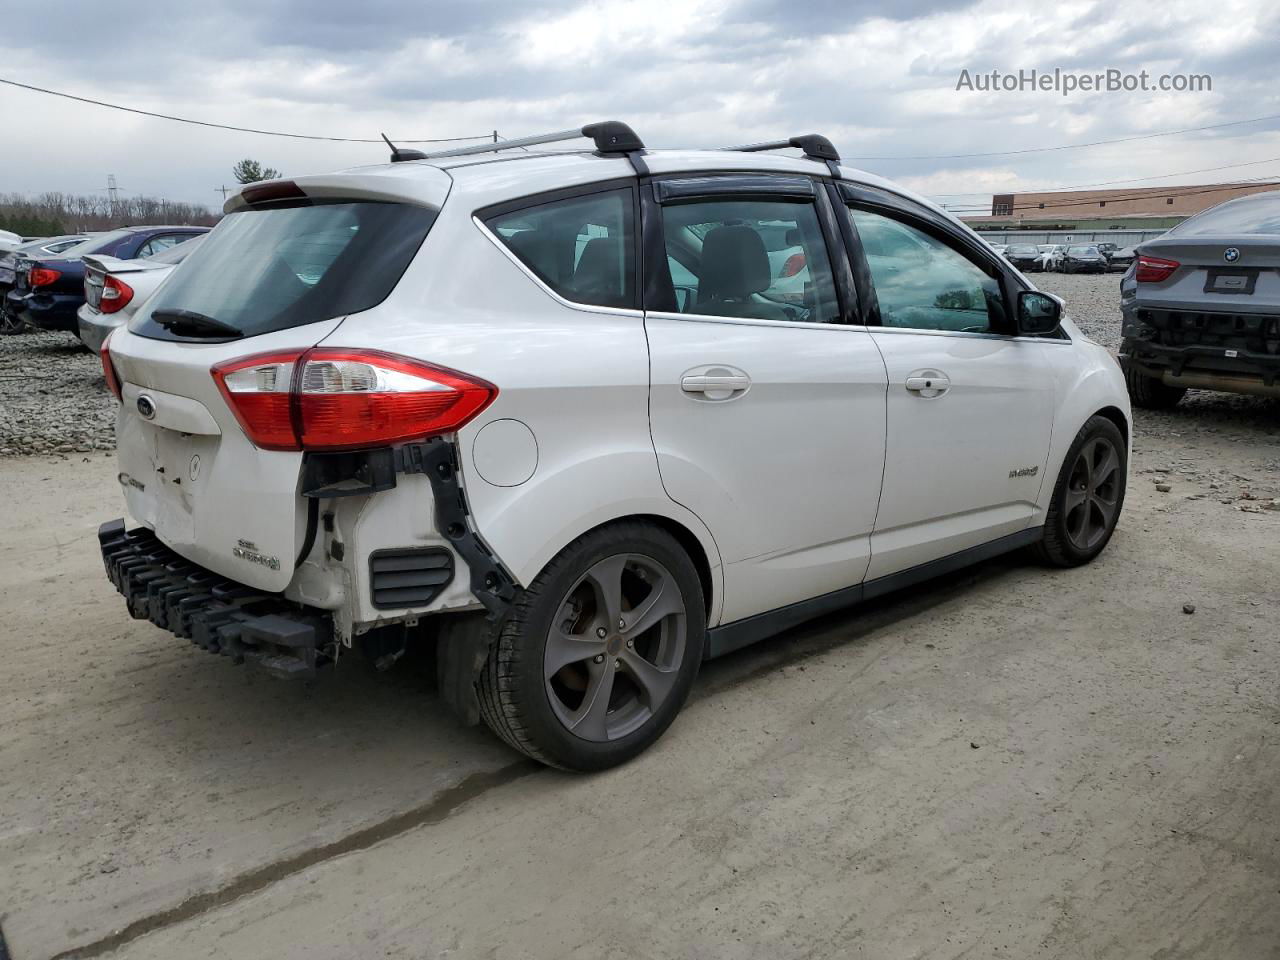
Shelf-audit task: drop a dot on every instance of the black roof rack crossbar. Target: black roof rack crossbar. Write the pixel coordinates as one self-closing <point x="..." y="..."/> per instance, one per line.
<point x="610" y="137"/>
<point x="814" y="145"/>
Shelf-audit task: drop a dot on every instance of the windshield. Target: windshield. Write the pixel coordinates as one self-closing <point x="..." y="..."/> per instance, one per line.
<point x="269" y="269"/>
<point x="1084" y="252"/>
<point x="1021" y="248"/>
<point x="1258" y="214"/>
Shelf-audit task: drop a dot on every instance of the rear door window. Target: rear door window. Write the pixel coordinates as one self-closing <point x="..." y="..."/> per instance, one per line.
<point x="763" y="259"/>
<point x="270" y="269"/>
<point x="582" y="247"/>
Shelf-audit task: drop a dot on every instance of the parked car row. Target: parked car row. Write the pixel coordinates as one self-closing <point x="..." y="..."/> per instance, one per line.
<point x="45" y="285"/>
<point x="1066" y="258"/>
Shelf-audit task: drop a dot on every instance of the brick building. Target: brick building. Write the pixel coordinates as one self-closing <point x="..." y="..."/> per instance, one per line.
<point x="1115" y="209"/>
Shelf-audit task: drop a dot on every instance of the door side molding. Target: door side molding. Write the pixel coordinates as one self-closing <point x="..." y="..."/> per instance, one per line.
<point x="743" y="633"/>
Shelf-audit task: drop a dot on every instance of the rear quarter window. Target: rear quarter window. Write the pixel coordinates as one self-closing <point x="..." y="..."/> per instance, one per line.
<point x="582" y="247"/>
<point x="263" y="270"/>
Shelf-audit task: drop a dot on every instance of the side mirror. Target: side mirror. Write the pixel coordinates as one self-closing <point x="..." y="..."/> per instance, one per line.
<point x="1038" y="313"/>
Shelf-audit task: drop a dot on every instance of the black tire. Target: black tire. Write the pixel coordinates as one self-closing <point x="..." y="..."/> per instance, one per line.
<point x="1149" y="392"/>
<point x="515" y="693"/>
<point x="1067" y="542"/>
<point x="10" y="323"/>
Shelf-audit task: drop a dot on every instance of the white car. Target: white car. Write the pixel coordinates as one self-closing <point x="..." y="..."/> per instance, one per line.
<point x="114" y="289"/>
<point x="9" y="241"/>
<point x="460" y="401"/>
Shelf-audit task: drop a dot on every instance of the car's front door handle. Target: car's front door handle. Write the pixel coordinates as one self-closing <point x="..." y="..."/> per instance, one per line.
<point x="715" y="383"/>
<point x="928" y="383"/>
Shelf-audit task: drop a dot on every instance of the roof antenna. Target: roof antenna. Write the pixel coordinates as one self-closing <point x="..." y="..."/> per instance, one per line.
<point x="399" y="155"/>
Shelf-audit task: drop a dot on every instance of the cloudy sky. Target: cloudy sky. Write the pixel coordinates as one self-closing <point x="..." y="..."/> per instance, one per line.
<point x="876" y="76"/>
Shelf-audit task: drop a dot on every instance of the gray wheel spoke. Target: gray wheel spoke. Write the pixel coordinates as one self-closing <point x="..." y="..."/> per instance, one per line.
<point x="589" y="719"/>
<point x="656" y="682"/>
<point x="1103" y="472"/>
<point x="1106" y="508"/>
<point x="1072" y="499"/>
<point x="1078" y="523"/>
<point x="605" y="578"/>
<point x="663" y="600"/>
<point x="566" y="648"/>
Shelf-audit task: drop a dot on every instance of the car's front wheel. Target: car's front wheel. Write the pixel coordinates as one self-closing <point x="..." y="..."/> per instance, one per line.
<point x="1088" y="495"/>
<point x="598" y="655"/>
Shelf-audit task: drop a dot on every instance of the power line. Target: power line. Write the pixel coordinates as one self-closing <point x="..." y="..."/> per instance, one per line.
<point x="226" y="126"/>
<point x="1075" y="146"/>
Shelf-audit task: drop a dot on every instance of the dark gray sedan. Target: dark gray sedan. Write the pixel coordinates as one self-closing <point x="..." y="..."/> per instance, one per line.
<point x="1201" y="306"/>
<point x="1083" y="259"/>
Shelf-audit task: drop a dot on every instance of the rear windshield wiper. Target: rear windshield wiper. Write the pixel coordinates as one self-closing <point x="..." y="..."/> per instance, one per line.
<point x="190" y="323"/>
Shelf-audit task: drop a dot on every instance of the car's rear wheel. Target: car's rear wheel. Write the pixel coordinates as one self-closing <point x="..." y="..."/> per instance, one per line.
<point x="1088" y="495"/>
<point x="598" y="655"/>
<point x="1150" y="392"/>
<point x="10" y="323"/>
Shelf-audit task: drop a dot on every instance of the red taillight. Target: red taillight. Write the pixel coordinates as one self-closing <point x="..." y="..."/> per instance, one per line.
<point x="794" y="264"/>
<point x="116" y="295"/>
<point x="335" y="399"/>
<point x="109" y="368"/>
<point x="43" y="277"/>
<point x="1155" y="269"/>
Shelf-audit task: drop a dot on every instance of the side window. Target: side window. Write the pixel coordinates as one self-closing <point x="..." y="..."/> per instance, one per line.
<point x="764" y="259"/>
<point x="924" y="284"/>
<point x="583" y="248"/>
<point x="163" y="242"/>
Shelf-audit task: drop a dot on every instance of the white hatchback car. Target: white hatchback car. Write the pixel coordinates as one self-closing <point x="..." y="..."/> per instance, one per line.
<point x="460" y="401"/>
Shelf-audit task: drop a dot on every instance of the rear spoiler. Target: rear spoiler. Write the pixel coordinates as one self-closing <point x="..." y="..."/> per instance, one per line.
<point x="105" y="264"/>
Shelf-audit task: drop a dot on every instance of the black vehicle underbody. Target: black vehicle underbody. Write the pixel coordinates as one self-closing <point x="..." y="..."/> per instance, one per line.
<point x="215" y="614"/>
<point x="1238" y="352"/>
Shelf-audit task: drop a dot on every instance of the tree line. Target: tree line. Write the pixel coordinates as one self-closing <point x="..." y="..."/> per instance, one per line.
<point x="49" y="214"/>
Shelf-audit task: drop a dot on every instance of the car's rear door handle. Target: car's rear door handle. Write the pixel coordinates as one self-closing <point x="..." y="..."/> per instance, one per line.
<point x="928" y="383"/>
<point x="715" y="383"/>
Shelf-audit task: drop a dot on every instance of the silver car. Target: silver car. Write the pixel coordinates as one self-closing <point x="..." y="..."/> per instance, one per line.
<point x="1201" y="305"/>
<point x="114" y="289"/>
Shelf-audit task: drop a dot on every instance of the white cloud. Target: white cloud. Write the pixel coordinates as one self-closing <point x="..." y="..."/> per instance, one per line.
<point x="876" y="76"/>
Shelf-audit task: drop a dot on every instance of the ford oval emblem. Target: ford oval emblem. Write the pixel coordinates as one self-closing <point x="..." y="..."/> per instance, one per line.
<point x="1231" y="254"/>
<point x="146" y="407"/>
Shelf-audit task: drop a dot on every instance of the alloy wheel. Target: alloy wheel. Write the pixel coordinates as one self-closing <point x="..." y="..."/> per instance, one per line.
<point x="615" y="647"/>
<point x="1091" y="501"/>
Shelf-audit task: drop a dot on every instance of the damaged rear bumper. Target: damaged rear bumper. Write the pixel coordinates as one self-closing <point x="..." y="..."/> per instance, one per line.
<point x="214" y="613"/>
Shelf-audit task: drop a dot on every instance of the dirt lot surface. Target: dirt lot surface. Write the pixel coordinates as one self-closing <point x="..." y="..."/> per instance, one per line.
<point x="1015" y="762"/>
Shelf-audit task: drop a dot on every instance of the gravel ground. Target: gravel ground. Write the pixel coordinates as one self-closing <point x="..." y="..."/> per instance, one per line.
<point x="52" y="397"/>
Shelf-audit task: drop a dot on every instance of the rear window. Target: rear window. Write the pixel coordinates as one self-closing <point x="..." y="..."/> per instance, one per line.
<point x="270" y="269"/>
<point x="1021" y="249"/>
<point x="1258" y="214"/>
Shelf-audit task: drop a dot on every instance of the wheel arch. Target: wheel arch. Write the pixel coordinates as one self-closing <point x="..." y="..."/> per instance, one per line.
<point x="1116" y="416"/>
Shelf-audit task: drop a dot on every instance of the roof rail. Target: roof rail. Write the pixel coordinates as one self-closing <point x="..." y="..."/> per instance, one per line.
<point x="814" y="145"/>
<point x="610" y="136"/>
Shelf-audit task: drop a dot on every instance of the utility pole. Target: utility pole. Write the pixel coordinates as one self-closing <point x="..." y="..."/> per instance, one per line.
<point x="223" y="190"/>
<point x="113" y="192"/>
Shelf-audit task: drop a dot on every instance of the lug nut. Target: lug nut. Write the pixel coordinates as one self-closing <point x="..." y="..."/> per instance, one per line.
<point x="601" y="632"/>
<point x="621" y="624"/>
<point x="631" y="643"/>
<point x="617" y="663"/>
<point x="599" y="658"/>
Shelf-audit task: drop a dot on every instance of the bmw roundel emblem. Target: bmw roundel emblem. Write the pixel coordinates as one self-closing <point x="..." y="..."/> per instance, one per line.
<point x="1231" y="254"/>
<point x="146" y="407"/>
